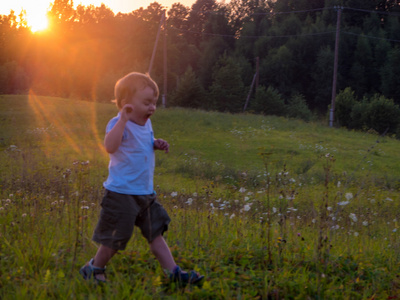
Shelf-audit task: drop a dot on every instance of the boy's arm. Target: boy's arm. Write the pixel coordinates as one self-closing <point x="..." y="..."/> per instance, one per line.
<point x="113" y="138"/>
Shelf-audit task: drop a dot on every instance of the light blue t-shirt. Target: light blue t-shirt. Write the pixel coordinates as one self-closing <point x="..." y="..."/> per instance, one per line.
<point x="131" y="167"/>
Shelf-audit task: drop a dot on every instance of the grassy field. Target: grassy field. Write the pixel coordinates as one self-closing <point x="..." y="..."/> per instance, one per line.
<point x="264" y="207"/>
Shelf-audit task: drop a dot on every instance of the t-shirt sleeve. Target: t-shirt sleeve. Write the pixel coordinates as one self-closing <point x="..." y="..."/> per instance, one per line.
<point x="111" y="124"/>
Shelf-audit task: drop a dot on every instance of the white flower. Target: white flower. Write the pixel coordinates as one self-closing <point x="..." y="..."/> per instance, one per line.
<point x="189" y="201"/>
<point x="274" y="210"/>
<point x="246" y="207"/>
<point x="394" y="230"/>
<point x="194" y="194"/>
<point x="85" y="207"/>
<point x="23" y="215"/>
<point x="353" y="217"/>
<point x="343" y="203"/>
<point x="242" y="190"/>
<point x="355" y="233"/>
<point x="246" y="198"/>
<point x="338" y="184"/>
<point x="232" y="216"/>
<point x="388" y="199"/>
<point x="174" y="194"/>
<point x="349" y="196"/>
<point x="329" y="208"/>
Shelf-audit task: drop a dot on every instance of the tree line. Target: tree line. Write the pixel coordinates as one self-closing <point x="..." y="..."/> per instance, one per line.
<point x="278" y="55"/>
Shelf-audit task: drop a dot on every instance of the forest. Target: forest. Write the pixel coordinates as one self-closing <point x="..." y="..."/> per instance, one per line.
<point x="270" y="57"/>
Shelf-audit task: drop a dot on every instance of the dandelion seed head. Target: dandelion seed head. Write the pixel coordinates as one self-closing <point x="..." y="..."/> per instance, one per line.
<point x="353" y="217"/>
<point x="349" y="196"/>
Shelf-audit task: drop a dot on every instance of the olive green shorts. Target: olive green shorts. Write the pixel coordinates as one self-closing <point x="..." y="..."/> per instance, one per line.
<point x="120" y="213"/>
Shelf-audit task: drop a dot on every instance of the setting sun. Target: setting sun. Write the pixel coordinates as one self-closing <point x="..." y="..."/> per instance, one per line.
<point x="37" y="22"/>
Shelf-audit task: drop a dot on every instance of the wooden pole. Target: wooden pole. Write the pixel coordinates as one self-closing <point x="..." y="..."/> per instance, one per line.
<point x="156" y="43"/>
<point x="335" y="67"/>
<point x="164" y="97"/>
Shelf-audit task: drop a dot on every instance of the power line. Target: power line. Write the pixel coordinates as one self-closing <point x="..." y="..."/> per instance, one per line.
<point x="253" y="36"/>
<point x="371" y="37"/>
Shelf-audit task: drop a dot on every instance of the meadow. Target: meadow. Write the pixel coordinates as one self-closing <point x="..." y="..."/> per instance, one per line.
<point x="264" y="207"/>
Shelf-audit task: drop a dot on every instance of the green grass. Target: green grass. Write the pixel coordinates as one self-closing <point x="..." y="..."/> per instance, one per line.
<point x="265" y="207"/>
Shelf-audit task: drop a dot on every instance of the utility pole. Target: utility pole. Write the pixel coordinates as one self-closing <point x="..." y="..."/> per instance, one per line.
<point x="335" y="66"/>
<point x="156" y="43"/>
<point x="164" y="96"/>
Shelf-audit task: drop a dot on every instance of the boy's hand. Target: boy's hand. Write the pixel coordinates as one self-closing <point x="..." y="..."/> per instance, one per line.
<point x="126" y="110"/>
<point x="160" y="144"/>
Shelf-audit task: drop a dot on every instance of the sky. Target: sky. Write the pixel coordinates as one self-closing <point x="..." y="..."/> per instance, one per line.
<point x="36" y="9"/>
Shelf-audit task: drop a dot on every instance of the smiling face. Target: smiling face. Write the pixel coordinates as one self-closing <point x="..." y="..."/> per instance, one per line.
<point x="144" y="104"/>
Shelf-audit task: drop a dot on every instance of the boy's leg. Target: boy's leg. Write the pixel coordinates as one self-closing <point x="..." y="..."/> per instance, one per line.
<point x="163" y="254"/>
<point x="102" y="257"/>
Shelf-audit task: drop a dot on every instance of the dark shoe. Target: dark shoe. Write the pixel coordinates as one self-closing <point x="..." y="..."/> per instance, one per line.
<point x="183" y="278"/>
<point x="89" y="271"/>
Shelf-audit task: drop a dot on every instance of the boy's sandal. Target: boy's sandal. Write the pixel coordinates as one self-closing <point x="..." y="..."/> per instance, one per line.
<point x="89" y="271"/>
<point x="183" y="278"/>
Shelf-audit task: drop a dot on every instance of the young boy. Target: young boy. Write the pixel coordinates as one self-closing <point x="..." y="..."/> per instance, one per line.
<point x="129" y="196"/>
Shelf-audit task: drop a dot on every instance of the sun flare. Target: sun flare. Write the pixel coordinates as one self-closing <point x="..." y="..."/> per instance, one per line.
<point x="37" y="22"/>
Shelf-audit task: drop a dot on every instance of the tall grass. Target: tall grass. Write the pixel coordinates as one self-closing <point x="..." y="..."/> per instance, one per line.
<point x="265" y="207"/>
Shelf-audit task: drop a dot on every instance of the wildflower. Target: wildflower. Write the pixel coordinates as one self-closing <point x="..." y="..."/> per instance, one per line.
<point x="8" y="201"/>
<point x="189" y="201"/>
<point x="343" y="203"/>
<point x="174" y="194"/>
<point x="329" y="208"/>
<point x="194" y="194"/>
<point x="242" y="190"/>
<point x="355" y="233"/>
<point x="11" y="195"/>
<point x="313" y="220"/>
<point x="353" y="217"/>
<point x="23" y="215"/>
<point x="232" y="216"/>
<point x="175" y="207"/>
<point x="327" y="155"/>
<point x="349" y="196"/>
<point x="246" y="198"/>
<point x="247" y="207"/>
<point x="1" y="208"/>
<point x="274" y="210"/>
<point x="338" y="184"/>
<point x="388" y="199"/>
<point x="394" y="230"/>
<point x="365" y="223"/>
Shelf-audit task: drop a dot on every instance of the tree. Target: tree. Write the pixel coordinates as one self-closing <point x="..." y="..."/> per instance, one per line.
<point x="390" y="74"/>
<point x="189" y="92"/>
<point x="227" y="90"/>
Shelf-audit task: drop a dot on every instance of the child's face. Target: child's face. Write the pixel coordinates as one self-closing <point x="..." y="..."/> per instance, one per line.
<point x="143" y="105"/>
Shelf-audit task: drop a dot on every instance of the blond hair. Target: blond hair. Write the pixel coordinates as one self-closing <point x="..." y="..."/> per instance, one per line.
<point x="127" y="86"/>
